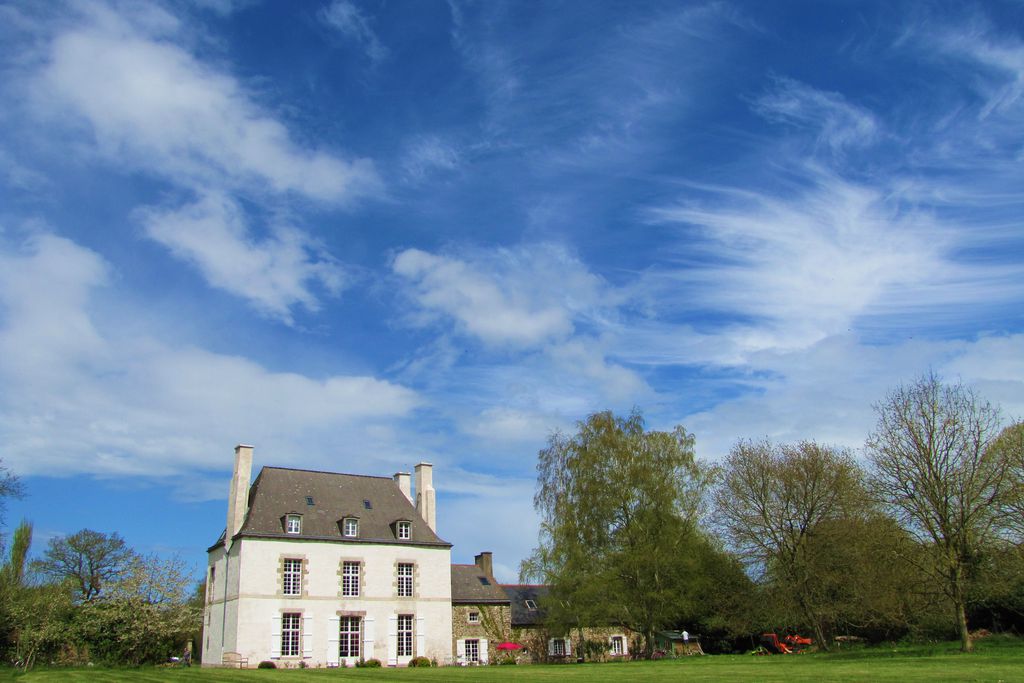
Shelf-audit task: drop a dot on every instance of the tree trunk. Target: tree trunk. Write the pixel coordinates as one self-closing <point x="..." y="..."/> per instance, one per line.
<point x="961" y="612"/>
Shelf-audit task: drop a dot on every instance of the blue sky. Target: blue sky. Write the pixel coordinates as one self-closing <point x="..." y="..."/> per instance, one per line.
<point x="358" y="235"/>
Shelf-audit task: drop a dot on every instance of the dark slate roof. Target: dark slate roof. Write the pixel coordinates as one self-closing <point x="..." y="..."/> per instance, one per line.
<point x="521" y="614"/>
<point x="467" y="586"/>
<point x="280" y="491"/>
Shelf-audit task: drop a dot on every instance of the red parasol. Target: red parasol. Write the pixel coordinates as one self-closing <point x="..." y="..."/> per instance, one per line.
<point x="510" y="646"/>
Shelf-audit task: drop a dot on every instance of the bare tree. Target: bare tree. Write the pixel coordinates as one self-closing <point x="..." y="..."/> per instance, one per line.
<point x="778" y="503"/>
<point x="89" y="558"/>
<point x="934" y="471"/>
<point x="10" y="487"/>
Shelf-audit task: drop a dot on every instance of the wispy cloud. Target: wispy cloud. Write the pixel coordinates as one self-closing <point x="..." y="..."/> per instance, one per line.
<point x="429" y="154"/>
<point x="274" y="274"/>
<point x="150" y="103"/>
<point x="837" y="123"/>
<point x="344" y="17"/>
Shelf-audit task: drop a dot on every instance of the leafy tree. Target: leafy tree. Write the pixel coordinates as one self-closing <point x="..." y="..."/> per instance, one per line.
<point x="938" y="477"/>
<point x="1009" y="448"/>
<point x="89" y="558"/>
<point x="34" y="619"/>
<point x="144" y="616"/>
<point x="619" y="541"/>
<point x="790" y="511"/>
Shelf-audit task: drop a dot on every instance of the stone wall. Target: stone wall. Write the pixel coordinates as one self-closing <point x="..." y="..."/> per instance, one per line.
<point x="592" y="642"/>
<point x="495" y="624"/>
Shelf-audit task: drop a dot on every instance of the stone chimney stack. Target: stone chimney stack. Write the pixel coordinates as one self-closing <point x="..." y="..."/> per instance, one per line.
<point x="404" y="481"/>
<point x="426" y="504"/>
<point x="238" y="499"/>
<point x="485" y="562"/>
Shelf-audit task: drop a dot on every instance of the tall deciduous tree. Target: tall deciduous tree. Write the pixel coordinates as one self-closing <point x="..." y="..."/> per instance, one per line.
<point x="935" y="471"/>
<point x="787" y="509"/>
<point x="90" y="559"/>
<point x="619" y="540"/>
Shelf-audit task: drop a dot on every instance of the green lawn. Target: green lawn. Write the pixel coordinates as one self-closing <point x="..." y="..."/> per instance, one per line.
<point x="995" y="660"/>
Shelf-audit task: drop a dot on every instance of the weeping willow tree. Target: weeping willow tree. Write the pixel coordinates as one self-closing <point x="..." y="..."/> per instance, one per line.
<point x="619" y="541"/>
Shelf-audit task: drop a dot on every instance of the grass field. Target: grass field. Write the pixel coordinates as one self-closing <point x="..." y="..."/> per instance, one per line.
<point x="996" y="660"/>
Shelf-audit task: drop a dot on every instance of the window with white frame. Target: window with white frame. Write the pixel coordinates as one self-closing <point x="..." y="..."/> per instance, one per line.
<point x="404" y="530"/>
<point x="531" y="605"/>
<point x="618" y="645"/>
<point x="292" y="577"/>
<point x="472" y="650"/>
<point x="293" y="524"/>
<point x="405" y="622"/>
<point x="558" y="647"/>
<point x="348" y="636"/>
<point x="405" y="580"/>
<point x="474" y="617"/>
<point x="350" y="579"/>
<point x="291" y="631"/>
<point x="350" y="527"/>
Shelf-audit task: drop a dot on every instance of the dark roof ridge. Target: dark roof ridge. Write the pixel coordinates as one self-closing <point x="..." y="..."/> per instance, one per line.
<point x="343" y="474"/>
<point x="524" y="585"/>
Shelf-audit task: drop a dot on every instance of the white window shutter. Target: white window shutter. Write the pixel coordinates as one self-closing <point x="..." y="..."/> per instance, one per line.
<point x="460" y="651"/>
<point x="421" y="637"/>
<point x="307" y="636"/>
<point x="551" y="647"/>
<point x="625" y="645"/>
<point x="333" y="630"/>
<point x="368" y="637"/>
<point x="483" y="650"/>
<point x="275" y="637"/>
<point x="393" y="640"/>
<point x="568" y="646"/>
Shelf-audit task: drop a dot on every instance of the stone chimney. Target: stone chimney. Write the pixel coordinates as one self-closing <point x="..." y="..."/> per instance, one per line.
<point x="426" y="503"/>
<point x="485" y="562"/>
<point x="238" y="499"/>
<point x="404" y="481"/>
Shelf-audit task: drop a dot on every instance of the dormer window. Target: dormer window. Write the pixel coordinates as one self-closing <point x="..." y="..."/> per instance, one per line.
<point x="350" y="527"/>
<point x="404" y="530"/>
<point x="531" y="605"/>
<point x="293" y="524"/>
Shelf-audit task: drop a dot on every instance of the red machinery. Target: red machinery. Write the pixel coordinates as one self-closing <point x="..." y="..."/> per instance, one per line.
<point x="787" y="646"/>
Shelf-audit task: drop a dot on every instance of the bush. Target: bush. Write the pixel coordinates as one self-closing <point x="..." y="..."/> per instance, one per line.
<point x="507" y="660"/>
<point x="266" y="665"/>
<point x="419" y="661"/>
<point x="369" y="664"/>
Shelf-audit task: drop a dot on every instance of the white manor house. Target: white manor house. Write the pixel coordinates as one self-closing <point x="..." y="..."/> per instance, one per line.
<point x="326" y="569"/>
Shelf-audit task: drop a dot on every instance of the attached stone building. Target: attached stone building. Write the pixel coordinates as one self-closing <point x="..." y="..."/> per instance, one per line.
<point x="320" y="568"/>
<point x="530" y="629"/>
<point x="481" y="617"/>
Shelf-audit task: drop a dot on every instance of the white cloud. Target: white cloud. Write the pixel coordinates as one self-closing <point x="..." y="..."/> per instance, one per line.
<point x="87" y="395"/>
<point x="347" y="19"/>
<point x="838" y="123"/>
<point x="150" y="103"/>
<point x="274" y="274"/>
<point x="521" y="298"/>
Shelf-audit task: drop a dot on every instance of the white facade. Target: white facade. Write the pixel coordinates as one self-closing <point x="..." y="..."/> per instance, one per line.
<point x="294" y="613"/>
<point x="247" y="620"/>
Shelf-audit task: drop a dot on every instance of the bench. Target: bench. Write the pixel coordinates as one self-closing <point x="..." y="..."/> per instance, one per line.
<point x="233" y="659"/>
